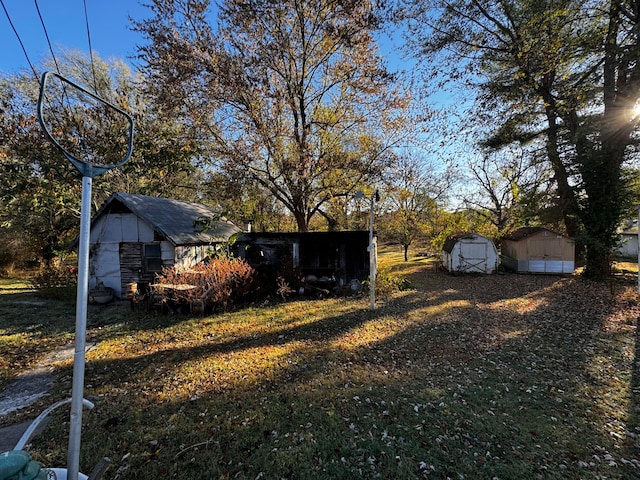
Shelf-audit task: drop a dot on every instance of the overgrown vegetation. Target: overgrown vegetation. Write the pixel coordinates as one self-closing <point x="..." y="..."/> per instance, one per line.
<point x="388" y="283"/>
<point x="507" y="376"/>
<point x="220" y="282"/>
<point x="56" y="281"/>
<point x="211" y="284"/>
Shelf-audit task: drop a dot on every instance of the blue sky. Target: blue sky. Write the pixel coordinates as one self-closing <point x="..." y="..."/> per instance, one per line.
<point x="66" y="26"/>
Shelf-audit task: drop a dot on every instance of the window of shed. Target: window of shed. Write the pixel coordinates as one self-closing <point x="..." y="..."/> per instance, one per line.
<point x="152" y="257"/>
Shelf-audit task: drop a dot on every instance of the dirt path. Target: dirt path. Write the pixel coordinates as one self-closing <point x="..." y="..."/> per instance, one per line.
<point x="26" y="389"/>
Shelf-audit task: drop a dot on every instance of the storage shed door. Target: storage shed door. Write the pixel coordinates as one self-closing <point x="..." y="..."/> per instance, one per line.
<point x="545" y="255"/>
<point x="473" y="256"/>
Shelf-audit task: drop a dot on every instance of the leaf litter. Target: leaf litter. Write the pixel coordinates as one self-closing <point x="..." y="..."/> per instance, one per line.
<point x="502" y="376"/>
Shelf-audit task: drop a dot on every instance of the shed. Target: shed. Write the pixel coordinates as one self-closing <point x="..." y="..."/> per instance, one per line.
<point x="470" y="253"/>
<point x="334" y="259"/>
<point x="538" y="250"/>
<point x="628" y="240"/>
<point x="134" y="236"/>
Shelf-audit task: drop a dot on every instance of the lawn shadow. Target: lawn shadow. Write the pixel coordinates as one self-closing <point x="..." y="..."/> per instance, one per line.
<point x="485" y="374"/>
<point x="27" y="312"/>
<point x="633" y="421"/>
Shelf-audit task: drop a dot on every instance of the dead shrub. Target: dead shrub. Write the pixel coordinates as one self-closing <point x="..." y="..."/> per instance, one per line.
<point x="56" y="282"/>
<point x="214" y="283"/>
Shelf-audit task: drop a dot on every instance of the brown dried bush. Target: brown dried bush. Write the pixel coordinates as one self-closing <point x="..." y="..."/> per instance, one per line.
<point x="214" y="283"/>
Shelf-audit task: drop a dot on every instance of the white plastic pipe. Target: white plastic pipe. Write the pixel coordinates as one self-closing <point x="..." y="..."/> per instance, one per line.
<point x="372" y="258"/>
<point x="26" y="436"/>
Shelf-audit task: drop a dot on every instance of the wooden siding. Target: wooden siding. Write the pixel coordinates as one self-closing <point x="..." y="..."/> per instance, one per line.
<point x="130" y="266"/>
<point x="540" y="252"/>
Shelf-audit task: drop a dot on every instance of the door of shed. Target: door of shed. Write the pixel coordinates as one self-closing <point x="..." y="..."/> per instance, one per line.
<point x="473" y="256"/>
<point x="545" y="255"/>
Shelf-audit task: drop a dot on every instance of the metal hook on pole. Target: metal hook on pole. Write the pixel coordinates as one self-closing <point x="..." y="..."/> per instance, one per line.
<point x="89" y="169"/>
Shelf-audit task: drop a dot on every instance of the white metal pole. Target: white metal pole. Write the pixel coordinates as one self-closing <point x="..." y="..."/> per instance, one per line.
<point x="77" y="392"/>
<point x="372" y="259"/>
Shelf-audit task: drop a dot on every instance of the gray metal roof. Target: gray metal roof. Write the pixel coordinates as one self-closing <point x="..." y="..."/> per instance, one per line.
<point x="525" y="232"/>
<point x="174" y="219"/>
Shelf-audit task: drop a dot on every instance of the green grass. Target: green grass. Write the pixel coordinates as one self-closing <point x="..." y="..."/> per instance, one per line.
<point x="507" y="376"/>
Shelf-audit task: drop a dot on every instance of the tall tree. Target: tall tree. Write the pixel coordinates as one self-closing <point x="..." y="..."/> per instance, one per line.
<point x="38" y="186"/>
<point x="504" y="182"/>
<point x="291" y="94"/>
<point x="567" y="74"/>
<point x="40" y="190"/>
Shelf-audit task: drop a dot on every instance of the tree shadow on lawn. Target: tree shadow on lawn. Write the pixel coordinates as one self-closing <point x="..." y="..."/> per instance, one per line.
<point x="546" y="368"/>
<point x="31" y="327"/>
<point x="632" y="431"/>
<point x="461" y="379"/>
<point x="484" y="376"/>
<point x="27" y="312"/>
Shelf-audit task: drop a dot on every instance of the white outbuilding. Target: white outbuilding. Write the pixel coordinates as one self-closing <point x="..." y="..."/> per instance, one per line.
<point x="470" y="253"/>
<point x="133" y="237"/>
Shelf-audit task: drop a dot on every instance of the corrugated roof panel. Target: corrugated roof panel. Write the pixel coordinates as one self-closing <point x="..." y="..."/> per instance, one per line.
<point x="175" y="219"/>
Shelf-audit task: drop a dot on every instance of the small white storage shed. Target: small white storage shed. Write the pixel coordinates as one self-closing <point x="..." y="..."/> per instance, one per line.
<point x="628" y="240"/>
<point x="470" y="253"/>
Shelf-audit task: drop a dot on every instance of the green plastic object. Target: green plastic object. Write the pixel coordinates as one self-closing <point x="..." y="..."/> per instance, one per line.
<point x="17" y="465"/>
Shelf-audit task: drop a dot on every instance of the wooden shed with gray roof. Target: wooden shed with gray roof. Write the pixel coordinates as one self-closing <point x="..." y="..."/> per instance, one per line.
<point x="134" y="236"/>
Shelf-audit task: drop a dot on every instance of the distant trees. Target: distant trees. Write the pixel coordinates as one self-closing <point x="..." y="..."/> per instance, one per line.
<point x="292" y="95"/>
<point x="564" y="74"/>
<point x="508" y="189"/>
<point x="283" y="110"/>
<point x="412" y="194"/>
<point x="37" y="185"/>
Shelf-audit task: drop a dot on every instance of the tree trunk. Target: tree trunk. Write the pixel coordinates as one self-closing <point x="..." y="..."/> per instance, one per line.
<point x="600" y="164"/>
<point x="566" y="195"/>
<point x="301" y="221"/>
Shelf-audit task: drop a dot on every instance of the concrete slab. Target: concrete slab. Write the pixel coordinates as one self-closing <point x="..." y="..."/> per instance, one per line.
<point x="10" y="435"/>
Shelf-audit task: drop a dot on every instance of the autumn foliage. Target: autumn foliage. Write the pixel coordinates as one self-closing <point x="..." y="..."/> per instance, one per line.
<point x="208" y="285"/>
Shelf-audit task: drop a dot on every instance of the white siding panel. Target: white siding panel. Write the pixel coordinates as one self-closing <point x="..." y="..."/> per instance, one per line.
<point x="553" y="266"/>
<point x="167" y="253"/>
<point x="129" y="228"/>
<point x="106" y="267"/>
<point x="96" y="229"/>
<point x="145" y="232"/>
<point x="111" y="229"/>
<point x="185" y="256"/>
<point x="473" y="250"/>
<point x="628" y="247"/>
<point x="537" y="266"/>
